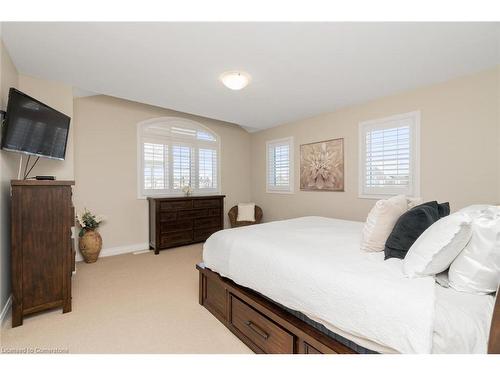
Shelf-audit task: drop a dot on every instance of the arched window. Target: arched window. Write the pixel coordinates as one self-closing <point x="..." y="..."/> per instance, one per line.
<point x="174" y="153"/>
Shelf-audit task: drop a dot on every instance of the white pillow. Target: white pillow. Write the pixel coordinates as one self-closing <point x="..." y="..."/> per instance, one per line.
<point x="438" y="246"/>
<point x="477" y="268"/>
<point x="414" y="201"/>
<point x="246" y="212"/>
<point x="380" y="222"/>
<point x="476" y="210"/>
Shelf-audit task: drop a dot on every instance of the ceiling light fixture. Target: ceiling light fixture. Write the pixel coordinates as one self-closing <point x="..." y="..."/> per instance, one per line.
<point x="235" y="80"/>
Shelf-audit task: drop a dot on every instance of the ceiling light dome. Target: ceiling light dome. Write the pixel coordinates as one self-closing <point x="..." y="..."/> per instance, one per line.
<point x="235" y="80"/>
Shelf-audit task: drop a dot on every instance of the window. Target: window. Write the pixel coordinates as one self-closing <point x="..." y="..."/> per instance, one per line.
<point x="389" y="156"/>
<point x="174" y="153"/>
<point x="280" y="166"/>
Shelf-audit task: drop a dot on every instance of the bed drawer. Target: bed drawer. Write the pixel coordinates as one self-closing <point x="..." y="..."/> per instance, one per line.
<point x="309" y="349"/>
<point x="263" y="333"/>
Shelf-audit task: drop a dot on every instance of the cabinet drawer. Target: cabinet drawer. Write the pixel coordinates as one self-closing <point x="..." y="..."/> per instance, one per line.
<point x="214" y="212"/>
<point x="171" y="239"/>
<point x="168" y="216"/>
<point x="191" y="214"/>
<point x="206" y="203"/>
<point x="207" y="222"/>
<point x="261" y="331"/>
<point x="176" y="226"/>
<point x="175" y="205"/>
<point x="203" y="234"/>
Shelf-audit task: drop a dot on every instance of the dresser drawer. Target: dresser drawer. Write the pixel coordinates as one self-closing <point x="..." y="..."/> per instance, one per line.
<point x="206" y="203"/>
<point x="176" y="205"/>
<point x="176" y="226"/>
<point x="168" y="216"/>
<point x="203" y="234"/>
<point x="262" y="332"/>
<point x="176" y="238"/>
<point x="207" y="222"/>
<point x="214" y="212"/>
<point x="191" y="214"/>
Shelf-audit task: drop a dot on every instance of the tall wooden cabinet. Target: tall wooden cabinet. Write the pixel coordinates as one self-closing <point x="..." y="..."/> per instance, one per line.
<point x="42" y="248"/>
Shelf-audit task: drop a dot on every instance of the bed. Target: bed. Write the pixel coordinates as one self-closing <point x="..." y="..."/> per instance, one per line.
<point x="310" y="271"/>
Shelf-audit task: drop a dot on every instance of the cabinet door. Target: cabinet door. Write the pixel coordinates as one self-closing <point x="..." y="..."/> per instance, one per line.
<point x="44" y="244"/>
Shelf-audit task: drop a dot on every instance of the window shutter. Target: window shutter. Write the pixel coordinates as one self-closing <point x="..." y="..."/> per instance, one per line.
<point x="155" y="160"/>
<point x="181" y="166"/>
<point x="174" y="153"/>
<point x="207" y="168"/>
<point x="279" y="168"/>
<point x="389" y="156"/>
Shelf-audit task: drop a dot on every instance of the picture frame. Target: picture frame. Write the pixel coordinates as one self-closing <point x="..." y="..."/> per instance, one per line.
<point x="322" y="165"/>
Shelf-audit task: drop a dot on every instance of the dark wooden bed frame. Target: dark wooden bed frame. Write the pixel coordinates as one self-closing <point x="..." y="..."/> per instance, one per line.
<point x="266" y="327"/>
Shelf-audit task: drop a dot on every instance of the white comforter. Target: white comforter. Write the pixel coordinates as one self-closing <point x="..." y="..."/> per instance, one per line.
<point x="315" y="265"/>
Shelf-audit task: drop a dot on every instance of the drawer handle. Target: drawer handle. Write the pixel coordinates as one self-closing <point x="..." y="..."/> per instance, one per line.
<point x="254" y="327"/>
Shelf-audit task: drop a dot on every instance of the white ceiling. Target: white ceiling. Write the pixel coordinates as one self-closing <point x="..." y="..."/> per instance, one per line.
<point x="298" y="69"/>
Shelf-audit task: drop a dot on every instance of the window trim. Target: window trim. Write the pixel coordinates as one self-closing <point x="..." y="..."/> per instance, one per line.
<point x="291" y="187"/>
<point x="142" y="193"/>
<point x="414" y="153"/>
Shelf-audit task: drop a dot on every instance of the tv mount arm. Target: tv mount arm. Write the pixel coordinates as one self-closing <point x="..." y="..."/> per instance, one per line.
<point x="26" y="170"/>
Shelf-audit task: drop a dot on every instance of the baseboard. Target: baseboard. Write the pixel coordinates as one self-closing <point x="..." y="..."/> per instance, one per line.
<point x="5" y="310"/>
<point x="111" y="251"/>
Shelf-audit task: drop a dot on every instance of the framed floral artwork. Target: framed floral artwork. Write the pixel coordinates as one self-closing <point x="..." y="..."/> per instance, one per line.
<point x="322" y="165"/>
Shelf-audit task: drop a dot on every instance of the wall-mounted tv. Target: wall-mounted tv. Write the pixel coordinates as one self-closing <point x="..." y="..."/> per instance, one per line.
<point x="34" y="128"/>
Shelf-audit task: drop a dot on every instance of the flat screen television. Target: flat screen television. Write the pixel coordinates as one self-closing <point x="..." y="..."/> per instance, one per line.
<point x="34" y="128"/>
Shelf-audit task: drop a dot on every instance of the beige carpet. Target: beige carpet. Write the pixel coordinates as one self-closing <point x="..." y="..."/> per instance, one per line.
<point x="130" y="304"/>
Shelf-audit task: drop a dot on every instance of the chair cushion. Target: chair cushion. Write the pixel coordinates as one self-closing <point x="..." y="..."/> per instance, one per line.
<point x="246" y="212"/>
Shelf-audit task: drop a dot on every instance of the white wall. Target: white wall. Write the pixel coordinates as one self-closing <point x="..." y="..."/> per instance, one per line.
<point x="8" y="170"/>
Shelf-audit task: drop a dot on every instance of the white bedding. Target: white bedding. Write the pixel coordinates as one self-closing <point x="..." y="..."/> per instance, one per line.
<point x="315" y="265"/>
<point x="462" y="322"/>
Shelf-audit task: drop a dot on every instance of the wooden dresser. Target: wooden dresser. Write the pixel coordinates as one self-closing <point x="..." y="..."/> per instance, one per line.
<point x="42" y="215"/>
<point x="184" y="220"/>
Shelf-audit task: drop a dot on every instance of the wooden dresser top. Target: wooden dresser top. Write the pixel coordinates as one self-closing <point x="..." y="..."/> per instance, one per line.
<point x="183" y="198"/>
<point x="41" y="182"/>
